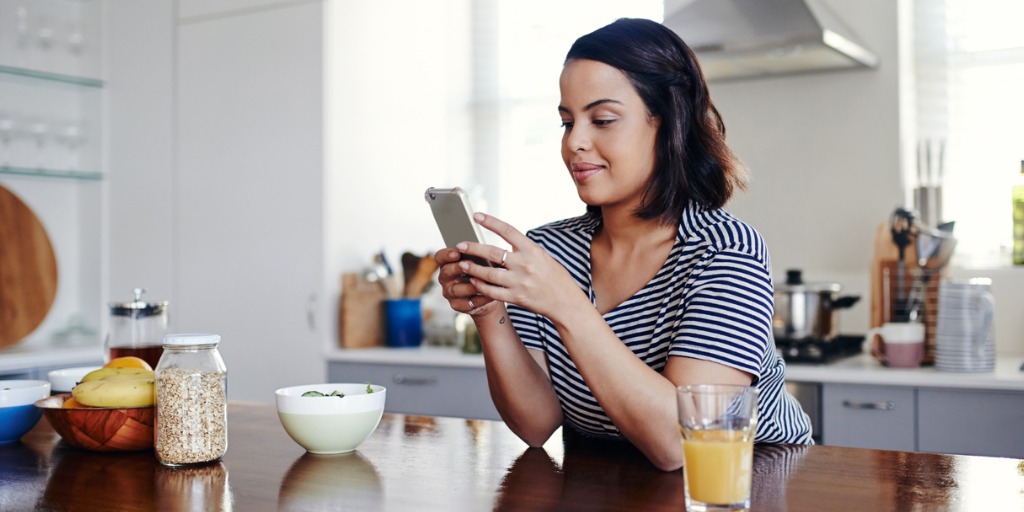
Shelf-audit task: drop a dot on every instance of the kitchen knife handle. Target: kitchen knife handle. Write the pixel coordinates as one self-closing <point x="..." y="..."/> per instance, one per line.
<point x="887" y="405"/>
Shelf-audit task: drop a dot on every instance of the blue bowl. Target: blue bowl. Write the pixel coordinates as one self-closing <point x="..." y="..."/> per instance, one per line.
<point x="16" y="421"/>
<point x="18" y="413"/>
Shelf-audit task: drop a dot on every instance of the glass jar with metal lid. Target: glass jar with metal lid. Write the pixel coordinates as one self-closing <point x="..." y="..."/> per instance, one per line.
<point x="191" y="401"/>
<point x="136" y="329"/>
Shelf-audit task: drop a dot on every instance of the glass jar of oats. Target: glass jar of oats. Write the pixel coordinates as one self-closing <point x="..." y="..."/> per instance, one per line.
<point x="191" y="401"/>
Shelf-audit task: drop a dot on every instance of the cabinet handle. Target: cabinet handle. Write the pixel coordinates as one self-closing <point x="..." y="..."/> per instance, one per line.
<point x="414" y="381"/>
<point x="887" y="405"/>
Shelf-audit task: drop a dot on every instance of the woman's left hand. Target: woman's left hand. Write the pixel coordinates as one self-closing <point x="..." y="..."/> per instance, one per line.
<point x="526" y="275"/>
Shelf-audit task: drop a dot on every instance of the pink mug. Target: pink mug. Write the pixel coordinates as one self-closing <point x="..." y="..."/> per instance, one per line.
<point x="902" y="344"/>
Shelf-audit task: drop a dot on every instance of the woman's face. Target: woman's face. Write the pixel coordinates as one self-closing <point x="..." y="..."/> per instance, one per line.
<point x="608" y="142"/>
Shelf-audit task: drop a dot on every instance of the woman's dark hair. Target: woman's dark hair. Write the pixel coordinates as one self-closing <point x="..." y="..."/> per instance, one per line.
<point x="693" y="162"/>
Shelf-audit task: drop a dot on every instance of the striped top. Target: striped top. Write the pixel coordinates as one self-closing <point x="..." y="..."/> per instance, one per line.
<point x="711" y="300"/>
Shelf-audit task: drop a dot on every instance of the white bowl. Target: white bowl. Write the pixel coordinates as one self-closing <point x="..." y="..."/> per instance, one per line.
<point x="66" y="378"/>
<point x="330" y="424"/>
<point x="22" y="392"/>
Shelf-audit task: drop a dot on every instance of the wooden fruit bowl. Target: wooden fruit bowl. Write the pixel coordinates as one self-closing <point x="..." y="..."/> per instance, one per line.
<point x="100" y="429"/>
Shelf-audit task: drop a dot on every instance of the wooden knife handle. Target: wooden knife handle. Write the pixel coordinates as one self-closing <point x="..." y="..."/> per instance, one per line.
<point x="419" y="281"/>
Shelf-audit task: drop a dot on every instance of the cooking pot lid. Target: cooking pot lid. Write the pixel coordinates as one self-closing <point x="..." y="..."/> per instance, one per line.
<point x="795" y="284"/>
<point x="138" y="308"/>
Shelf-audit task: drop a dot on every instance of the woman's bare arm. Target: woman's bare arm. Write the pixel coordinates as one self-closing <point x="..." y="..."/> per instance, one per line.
<point x="517" y="378"/>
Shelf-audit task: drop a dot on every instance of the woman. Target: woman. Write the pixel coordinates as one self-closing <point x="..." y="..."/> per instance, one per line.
<point x="654" y="287"/>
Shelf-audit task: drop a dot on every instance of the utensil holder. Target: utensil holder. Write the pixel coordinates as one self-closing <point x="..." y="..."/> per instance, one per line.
<point x="884" y="306"/>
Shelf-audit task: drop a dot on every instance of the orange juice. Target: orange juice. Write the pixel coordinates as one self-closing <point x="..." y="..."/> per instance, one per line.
<point x="718" y="465"/>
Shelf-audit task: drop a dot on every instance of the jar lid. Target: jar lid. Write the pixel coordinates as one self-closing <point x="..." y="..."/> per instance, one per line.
<point x="191" y="339"/>
<point x="138" y="308"/>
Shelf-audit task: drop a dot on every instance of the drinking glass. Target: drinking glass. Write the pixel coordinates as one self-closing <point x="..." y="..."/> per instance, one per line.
<point x="718" y="423"/>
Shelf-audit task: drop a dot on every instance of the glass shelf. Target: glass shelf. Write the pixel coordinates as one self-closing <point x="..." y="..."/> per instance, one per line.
<point x="51" y="77"/>
<point x="51" y="173"/>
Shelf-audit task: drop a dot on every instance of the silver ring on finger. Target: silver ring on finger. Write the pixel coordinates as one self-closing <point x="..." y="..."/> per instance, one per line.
<point x="504" y="257"/>
<point x="471" y="306"/>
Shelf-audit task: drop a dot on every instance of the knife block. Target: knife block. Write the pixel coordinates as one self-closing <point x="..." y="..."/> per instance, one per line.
<point x="885" y="286"/>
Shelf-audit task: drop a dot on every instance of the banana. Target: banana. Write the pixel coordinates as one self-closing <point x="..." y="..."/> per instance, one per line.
<point x="128" y="376"/>
<point x="116" y="393"/>
<point x="104" y="373"/>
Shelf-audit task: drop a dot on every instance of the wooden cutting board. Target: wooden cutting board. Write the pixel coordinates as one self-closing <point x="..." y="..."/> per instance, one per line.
<point x="28" y="270"/>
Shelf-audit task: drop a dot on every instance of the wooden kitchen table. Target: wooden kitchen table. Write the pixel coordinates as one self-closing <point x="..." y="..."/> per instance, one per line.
<point x="426" y="463"/>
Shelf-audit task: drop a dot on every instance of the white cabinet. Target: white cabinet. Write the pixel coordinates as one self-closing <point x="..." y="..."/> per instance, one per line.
<point x="217" y="142"/>
<point x="249" y="185"/>
<point x="424" y="389"/>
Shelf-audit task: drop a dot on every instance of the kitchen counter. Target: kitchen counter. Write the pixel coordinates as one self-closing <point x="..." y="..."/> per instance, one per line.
<point x="432" y="463"/>
<point x="423" y="356"/>
<point x="859" y="369"/>
<point x="863" y="369"/>
<point x="32" y="361"/>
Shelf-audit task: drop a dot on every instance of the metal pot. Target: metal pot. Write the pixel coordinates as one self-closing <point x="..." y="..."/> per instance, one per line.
<point x="808" y="310"/>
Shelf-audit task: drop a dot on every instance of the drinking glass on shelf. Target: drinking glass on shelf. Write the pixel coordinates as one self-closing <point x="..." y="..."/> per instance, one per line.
<point x="718" y="423"/>
<point x="70" y="138"/>
<point x="7" y="132"/>
<point x="45" y="38"/>
<point x="22" y="29"/>
<point x="75" y="41"/>
<point x="40" y="132"/>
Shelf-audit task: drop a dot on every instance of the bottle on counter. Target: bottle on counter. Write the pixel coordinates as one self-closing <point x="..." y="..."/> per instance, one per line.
<point x="1018" y="217"/>
<point x="191" y="401"/>
<point x="466" y="329"/>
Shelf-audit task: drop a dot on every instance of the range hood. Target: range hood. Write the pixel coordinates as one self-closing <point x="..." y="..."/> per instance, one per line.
<point x="737" y="39"/>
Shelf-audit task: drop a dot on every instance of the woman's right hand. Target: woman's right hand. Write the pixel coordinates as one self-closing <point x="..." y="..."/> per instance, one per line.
<point x="462" y="295"/>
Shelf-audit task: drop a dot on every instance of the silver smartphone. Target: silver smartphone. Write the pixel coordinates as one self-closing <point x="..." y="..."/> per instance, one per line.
<point x="453" y="215"/>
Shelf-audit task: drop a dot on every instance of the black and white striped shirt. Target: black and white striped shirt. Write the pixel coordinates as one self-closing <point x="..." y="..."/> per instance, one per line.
<point x="711" y="300"/>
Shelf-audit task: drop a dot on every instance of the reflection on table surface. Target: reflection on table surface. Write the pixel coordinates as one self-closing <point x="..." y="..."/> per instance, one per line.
<point x="427" y="463"/>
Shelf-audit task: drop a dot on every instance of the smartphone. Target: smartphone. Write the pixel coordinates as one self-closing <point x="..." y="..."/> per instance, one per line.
<point x="453" y="215"/>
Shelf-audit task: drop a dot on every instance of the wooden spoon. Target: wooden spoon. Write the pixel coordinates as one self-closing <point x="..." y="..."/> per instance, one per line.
<point x="421" y="277"/>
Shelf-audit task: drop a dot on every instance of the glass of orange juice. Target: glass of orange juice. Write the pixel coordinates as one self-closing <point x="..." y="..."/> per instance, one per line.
<point x="718" y="422"/>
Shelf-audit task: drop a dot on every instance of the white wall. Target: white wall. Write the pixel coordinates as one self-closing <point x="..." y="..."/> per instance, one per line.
<point x="823" y="150"/>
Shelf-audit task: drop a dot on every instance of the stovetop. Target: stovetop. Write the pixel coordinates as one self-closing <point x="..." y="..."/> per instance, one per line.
<point x="816" y="351"/>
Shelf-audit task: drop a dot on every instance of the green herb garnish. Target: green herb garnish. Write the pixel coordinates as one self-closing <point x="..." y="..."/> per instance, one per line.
<point x="339" y="394"/>
<point x="336" y="393"/>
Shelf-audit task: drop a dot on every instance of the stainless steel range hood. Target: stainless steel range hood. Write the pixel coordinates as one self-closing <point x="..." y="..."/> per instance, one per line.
<point x="737" y="39"/>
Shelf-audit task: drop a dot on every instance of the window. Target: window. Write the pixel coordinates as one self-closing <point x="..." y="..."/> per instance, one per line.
<point x="446" y="93"/>
<point x="970" y="74"/>
<point x="519" y="50"/>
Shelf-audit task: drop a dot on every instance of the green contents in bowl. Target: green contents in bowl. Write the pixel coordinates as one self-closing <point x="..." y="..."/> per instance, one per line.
<point x="336" y="393"/>
<point x="339" y="394"/>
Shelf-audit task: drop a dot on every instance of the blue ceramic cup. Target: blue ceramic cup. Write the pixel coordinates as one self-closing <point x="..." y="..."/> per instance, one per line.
<point x="404" y="322"/>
